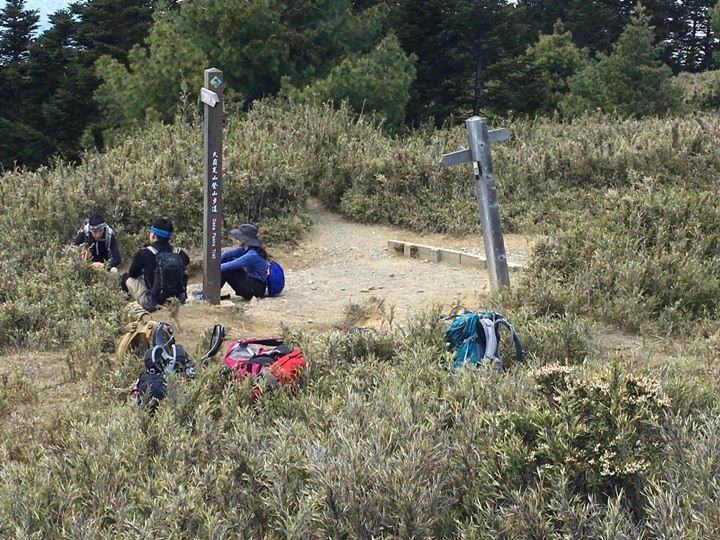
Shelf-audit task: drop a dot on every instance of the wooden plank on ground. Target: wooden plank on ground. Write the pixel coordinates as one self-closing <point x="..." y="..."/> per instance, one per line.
<point x="446" y="256"/>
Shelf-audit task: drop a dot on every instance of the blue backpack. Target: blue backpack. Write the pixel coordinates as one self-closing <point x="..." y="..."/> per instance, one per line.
<point x="275" y="277"/>
<point x="475" y="336"/>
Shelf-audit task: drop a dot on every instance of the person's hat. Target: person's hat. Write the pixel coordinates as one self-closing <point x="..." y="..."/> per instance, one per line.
<point x="247" y="234"/>
<point x="96" y="222"/>
<point x="162" y="227"/>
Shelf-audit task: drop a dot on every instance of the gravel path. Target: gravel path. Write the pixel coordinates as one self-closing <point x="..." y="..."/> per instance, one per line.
<point x="341" y="264"/>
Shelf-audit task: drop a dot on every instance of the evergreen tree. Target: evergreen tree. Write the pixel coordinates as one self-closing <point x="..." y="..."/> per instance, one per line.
<point x="104" y="28"/>
<point x="261" y="44"/>
<point x="20" y="144"/>
<point x="455" y="41"/>
<point x="536" y="82"/>
<point x="48" y="83"/>
<point x="151" y="88"/>
<point x="631" y="81"/>
<point x="596" y="25"/>
<point x="693" y="43"/>
<point x="18" y="25"/>
<point x="111" y="27"/>
<point x="61" y="106"/>
<point x="16" y="34"/>
<point x="377" y="82"/>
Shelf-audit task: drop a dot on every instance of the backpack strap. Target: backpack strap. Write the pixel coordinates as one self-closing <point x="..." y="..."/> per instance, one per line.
<point x="154" y="250"/>
<point x="108" y="237"/>
<point x="216" y="340"/>
<point x="491" y="341"/>
<point x="500" y="321"/>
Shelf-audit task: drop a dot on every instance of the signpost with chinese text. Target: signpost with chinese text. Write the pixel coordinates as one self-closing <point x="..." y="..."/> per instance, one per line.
<point x="211" y="95"/>
<point x="479" y="155"/>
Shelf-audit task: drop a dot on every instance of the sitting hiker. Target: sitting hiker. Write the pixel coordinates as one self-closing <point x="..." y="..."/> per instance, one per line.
<point x="101" y="246"/>
<point x="244" y="268"/>
<point x="159" y="271"/>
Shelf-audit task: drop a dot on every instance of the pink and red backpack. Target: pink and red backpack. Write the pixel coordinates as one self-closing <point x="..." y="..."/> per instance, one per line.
<point x="267" y="359"/>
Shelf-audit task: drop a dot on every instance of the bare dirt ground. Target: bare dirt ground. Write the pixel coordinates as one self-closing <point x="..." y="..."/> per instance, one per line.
<point x="340" y="265"/>
<point x="340" y="273"/>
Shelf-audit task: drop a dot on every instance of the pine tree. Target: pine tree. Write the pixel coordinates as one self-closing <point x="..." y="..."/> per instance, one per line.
<point x="260" y="45"/>
<point x="456" y="42"/>
<point x="535" y="82"/>
<point x="377" y="82"/>
<point x="64" y="107"/>
<point x="111" y="27"/>
<point x="631" y="81"/>
<point x="16" y="34"/>
<point x="18" y="26"/>
<point x="20" y="144"/>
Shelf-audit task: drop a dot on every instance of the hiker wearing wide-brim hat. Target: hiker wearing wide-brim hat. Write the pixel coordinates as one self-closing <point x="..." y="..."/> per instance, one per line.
<point x="245" y="267"/>
<point x="247" y="234"/>
<point x="101" y="246"/>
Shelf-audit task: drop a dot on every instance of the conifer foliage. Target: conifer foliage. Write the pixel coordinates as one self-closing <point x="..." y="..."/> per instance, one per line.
<point x="631" y="80"/>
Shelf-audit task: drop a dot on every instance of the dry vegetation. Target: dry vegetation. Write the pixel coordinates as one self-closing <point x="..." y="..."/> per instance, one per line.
<point x="384" y="440"/>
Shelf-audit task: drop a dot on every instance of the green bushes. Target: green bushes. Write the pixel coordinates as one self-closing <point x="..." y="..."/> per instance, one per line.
<point x="45" y="307"/>
<point x="393" y="446"/>
<point x="604" y="187"/>
<point x="648" y="259"/>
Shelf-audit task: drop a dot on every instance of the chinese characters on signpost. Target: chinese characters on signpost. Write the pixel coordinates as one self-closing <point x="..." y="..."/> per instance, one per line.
<point x="211" y="96"/>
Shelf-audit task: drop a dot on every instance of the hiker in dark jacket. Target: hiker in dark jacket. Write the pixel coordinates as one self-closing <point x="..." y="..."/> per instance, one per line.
<point x="101" y="246"/>
<point x="140" y="277"/>
<point x="244" y="268"/>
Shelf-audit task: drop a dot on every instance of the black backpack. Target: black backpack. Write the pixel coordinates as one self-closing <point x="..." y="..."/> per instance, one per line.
<point x="164" y="356"/>
<point x="169" y="275"/>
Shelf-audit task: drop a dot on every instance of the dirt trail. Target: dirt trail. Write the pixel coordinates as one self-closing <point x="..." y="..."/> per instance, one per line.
<point x="338" y="264"/>
<point x="341" y="263"/>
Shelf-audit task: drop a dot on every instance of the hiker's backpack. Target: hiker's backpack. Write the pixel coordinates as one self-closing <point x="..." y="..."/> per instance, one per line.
<point x="164" y="356"/>
<point x="475" y="336"/>
<point x="169" y="275"/>
<point x="107" y="238"/>
<point x="275" y="277"/>
<point x="150" y="388"/>
<point x="268" y="359"/>
<point x="137" y="337"/>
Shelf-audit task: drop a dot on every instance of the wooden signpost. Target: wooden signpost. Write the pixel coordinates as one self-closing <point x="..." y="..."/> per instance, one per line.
<point x="479" y="155"/>
<point x="211" y="95"/>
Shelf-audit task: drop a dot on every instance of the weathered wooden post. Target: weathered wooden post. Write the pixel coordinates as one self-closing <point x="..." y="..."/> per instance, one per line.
<point x="211" y="95"/>
<point x="479" y="154"/>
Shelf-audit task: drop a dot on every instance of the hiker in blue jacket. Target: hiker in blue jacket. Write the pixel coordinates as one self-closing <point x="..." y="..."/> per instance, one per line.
<point x="244" y="268"/>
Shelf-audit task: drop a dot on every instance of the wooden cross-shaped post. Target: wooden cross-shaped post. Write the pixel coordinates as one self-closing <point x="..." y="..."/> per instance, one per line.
<point x="479" y="154"/>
